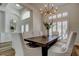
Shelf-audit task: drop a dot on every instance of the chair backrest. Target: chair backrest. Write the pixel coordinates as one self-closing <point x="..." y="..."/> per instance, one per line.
<point x="27" y="35"/>
<point x="55" y="33"/>
<point x="71" y="41"/>
<point x="27" y="51"/>
<point x="22" y="42"/>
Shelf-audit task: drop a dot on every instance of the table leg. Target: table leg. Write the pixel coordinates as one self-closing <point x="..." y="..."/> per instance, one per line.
<point x="44" y="51"/>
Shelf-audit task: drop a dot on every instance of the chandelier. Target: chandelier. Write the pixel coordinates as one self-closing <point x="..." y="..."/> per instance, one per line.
<point x="48" y="9"/>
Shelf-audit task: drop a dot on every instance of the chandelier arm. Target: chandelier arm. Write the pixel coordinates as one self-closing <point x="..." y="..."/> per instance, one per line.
<point x="48" y="10"/>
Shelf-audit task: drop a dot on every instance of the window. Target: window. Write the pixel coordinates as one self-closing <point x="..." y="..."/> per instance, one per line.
<point x="22" y="28"/>
<point x="59" y="15"/>
<point x="54" y="26"/>
<point x="26" y="15"/>
<point x="64" y="29"/>
<point x="27" y="28"/>
<point x="65" y="14"/>
<point x="26" y="20"/>
<point x="59" y="28"/>
<point x="61" y="25"/>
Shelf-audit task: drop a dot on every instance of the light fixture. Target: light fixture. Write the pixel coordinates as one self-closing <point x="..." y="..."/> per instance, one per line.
<point x="17" y="5"/>
<point x="48" y="9"/>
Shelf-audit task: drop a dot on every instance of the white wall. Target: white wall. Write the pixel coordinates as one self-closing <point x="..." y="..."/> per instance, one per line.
<point x="36" y="22"/>
<point x="5" y="37"/>
<point x="2" y="17"/>
<point x="2" y="21"/>
<point x="11" y="13"/>
<point x="17" y="44"/>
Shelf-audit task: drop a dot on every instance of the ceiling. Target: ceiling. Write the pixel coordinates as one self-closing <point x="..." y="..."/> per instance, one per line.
<point x="41" y="5"/>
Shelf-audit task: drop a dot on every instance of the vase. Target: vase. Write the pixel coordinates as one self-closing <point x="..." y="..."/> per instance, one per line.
<point x="48" y="32"/>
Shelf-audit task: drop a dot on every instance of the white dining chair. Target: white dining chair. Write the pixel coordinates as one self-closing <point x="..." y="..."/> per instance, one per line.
<point x="64" y="49"/>
<point x="59" y="41"/>
<point x="55" y="33"/>
<point x="29" y="51"/>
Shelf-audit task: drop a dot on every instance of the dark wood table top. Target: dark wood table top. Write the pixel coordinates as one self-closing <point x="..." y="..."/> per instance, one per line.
<point x="42" y="40"/>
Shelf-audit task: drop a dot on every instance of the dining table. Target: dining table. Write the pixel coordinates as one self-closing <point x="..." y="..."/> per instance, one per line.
<point x="44" y="41"/>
